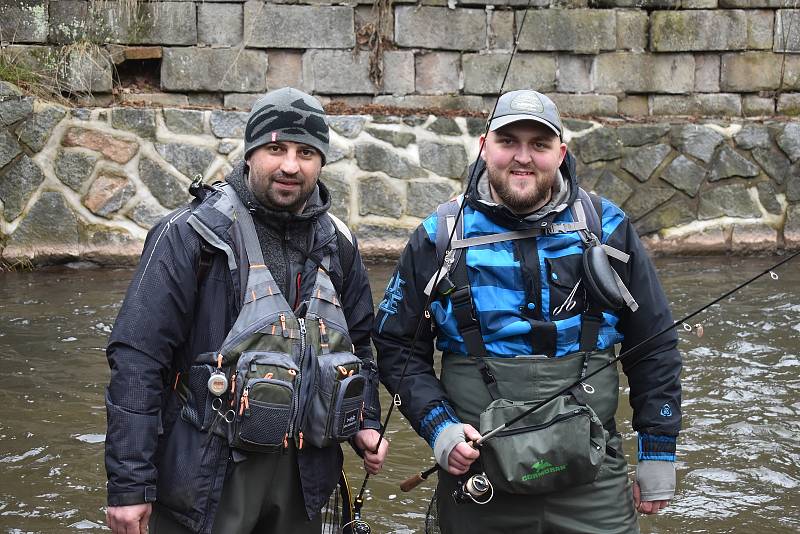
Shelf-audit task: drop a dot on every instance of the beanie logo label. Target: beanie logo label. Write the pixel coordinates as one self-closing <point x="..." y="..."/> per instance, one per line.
<point x="274" y="136"/>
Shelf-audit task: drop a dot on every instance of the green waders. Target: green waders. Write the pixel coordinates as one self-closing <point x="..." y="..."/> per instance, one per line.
<point x="604" y="506"/>
<point x="261" y="495"/>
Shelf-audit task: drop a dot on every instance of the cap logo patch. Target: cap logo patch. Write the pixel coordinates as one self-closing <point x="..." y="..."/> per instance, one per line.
<point x="527" y="102"/>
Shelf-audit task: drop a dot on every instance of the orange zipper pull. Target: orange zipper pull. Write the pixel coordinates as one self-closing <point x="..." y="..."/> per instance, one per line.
<point x="268" y="375"/>
<point x="300" y="446"/>
<point x="219" y="361"/>
<point x="322" y="327"/>
<point x="244" y="403"/>
<point x="284" y="332"/>
<point x="286" y="441"/>
<point x="177" y="377"/>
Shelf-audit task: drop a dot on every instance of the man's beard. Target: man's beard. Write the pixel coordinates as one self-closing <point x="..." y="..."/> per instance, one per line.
<point x="263" y="188"/>
<point x="521" y="201"/>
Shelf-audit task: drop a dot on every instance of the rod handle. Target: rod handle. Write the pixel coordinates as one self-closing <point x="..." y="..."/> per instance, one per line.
<point x="411" y="482"/>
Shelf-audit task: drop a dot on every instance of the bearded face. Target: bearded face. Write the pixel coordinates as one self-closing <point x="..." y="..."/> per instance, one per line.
<point x="522" y="161"/>
<point x="284" y="174"/>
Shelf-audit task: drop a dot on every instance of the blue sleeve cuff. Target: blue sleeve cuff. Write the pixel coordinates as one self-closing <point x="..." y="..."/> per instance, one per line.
<point x="440" y="417"/>
<point x="661" y="448"/>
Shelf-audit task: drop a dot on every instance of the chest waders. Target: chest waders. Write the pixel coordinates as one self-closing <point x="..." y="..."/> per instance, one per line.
<point x="279" y="375"/>
<point x="563" y="444"/>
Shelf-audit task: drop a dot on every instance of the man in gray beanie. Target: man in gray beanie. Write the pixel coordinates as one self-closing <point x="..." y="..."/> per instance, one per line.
<point x="241" y="355"/>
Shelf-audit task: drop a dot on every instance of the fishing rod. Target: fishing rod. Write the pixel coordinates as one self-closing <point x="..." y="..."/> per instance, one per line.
<point x="415" y="480"/>
<point x="359" y="500"/>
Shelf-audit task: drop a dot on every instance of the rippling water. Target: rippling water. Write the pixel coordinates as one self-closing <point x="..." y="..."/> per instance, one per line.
<point x="738" y="455"/>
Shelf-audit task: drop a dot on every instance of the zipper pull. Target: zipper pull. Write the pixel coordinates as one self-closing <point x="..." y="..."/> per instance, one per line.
<point x="284" y="331"/>
<point x="286" y="440"/>
<point x="233" y="388"/>
<point x="323" y="336"/>
<point x="300" y="442"/>
<point x="244" y="404"/>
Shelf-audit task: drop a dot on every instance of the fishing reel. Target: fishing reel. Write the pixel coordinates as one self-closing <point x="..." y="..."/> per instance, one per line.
<point x="356" y="525"/>
<point x="476" y="488"/>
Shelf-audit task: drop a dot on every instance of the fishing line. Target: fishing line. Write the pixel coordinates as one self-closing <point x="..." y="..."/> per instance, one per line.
<point x="415" y="480"/>
<point x="359" y="500"/>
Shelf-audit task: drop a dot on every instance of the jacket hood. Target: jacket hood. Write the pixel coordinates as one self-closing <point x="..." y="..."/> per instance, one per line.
<point x="503" y="216"/>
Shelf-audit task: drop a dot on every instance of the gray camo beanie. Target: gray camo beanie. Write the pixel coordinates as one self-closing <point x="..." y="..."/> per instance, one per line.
<point x="287" y="115"/>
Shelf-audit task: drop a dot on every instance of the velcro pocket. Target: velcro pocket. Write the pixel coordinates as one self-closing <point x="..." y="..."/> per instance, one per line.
<point x="348" y="403"/>
<point x="338" y="389"/>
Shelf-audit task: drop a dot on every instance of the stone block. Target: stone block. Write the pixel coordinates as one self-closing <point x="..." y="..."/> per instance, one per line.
<point x="788" y="139"/>
<point x="368" y="19"/>
<point x="793" y="183"/>
<point x="641" y="162"/>
<point x="440" y="28"/>
<point x="701" y="104"/>
<point x="669" y="215"/>
<point x="49" y="223"/>
<point x="147" y="213"/>
<point x="646" y="199"/>
<point x="395" y="137"/>
<point x="74" y="167"/>
<point x="340" y="190"/>
<point x="14" y="108"/>
<point x="349" y="126"/>
<point x="213" y="69"/>
<point x="789" y="104"/>
<point x="206" y="100"/>
<point x="88" y="70"/>
<point x="598" y="145"/>
<point x="219" y="24"/>
<point x="169" y="190"/>
<point x="242" y="100"/>
<point x="155" y="99"/>
<point x="757" y="106"/>
<point x="586" y="105"/>
<point x="706" y="73"/>
<point x="483" y="73"/>
<point x="701" y="30"/>
<point x="424" y="197"/>
<point x="455" y="102"/>
<point x="685" y="175"/>
<point x="444" y="159"/>
<point x="298" y="26"/>
<point x="642" y="134"/>
<point x="745" y="4"/>
<point x="337" y="72"/>
<point x="35" y="131"/>
<point x="189" y="160"/>
<point x="774" y="163"/>
<point x="786" y="40"/>
<point x="612" y="187"/>
<point x="445" y="126"/>
<point x="398" y="72"/>
<point x="114" y="148"/>
<point x="108" y="194"/>
<point x="17" y="184"/>
<point x="159" y="23"/>
<point x="71" y="20"/>
<point x="634" y="106"/>
<point x="579" y="31"/>
<point x="750" y="72"/>
<point x="373" y="157"/>
<point x="644" y="73"/>
<point x="752" y="136"/>
<point x="285" y="69"/>
<point x="751" y="238"/>
<point x="24" y="21"/>
<point x="379" y="196"/>
<point x="760" y="29"/>
<point x="142" y="122"/>
<point x="229" y="124"/>
<point x="501" y="30"/>
<point x="728" y="163"/>
<point x="437" y="72"/>
<point x="727" y="201"/>
<point x="632" y="28"/>
<point x="768" y="197"/>
<point x="574" y="74"/>
<point x="791" y="229"/>
<point x="696" y="140"/>
<point x="184" y="121"/>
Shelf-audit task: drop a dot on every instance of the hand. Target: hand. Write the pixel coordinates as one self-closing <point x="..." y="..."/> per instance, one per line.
<point x="646" y="507"/>
<point x="131" y="519"/>
<point x="367" y="440"/>
<point x="463" y="454"/>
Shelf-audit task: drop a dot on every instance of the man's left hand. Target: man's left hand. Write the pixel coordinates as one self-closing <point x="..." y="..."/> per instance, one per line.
<point x="367" y="440"/>
<point x="646" y="507"/>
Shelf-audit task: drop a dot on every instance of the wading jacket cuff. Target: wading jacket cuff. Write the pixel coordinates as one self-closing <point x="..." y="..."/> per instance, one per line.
<point x="440" y="417"/>
<point x="148" y="494"/>
<point x="659" y="448"/>
<point x="656" y="480"/>
<point x="371" y="424"/>
<point x="452" y="435"/>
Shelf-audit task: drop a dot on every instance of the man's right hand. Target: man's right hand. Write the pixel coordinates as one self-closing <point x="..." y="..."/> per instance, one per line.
<point x="131" y="519"/>
<point x="463" y="454"/>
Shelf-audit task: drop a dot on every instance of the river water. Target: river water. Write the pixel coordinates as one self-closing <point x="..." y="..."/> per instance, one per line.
<point x="738" y="455"/>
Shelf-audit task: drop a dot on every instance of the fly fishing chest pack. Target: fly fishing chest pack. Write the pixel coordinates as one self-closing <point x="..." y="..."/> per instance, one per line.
<point x="563" y="443"/>
<point x="279" y="375"/>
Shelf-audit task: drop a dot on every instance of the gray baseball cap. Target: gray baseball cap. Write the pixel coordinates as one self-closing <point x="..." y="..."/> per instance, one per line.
<point x="287" y="115"/>
<point x="526" y="105"/>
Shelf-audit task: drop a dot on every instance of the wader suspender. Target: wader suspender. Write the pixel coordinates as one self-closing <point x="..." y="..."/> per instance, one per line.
<point x="454" y="281"/>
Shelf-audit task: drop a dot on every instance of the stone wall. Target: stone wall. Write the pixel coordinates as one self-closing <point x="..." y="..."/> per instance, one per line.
<point x="87" y="183"/>
<point x="720" y="58"/>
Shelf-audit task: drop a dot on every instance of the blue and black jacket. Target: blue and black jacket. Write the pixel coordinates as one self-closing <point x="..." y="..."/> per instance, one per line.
<point x="516" y="286"/>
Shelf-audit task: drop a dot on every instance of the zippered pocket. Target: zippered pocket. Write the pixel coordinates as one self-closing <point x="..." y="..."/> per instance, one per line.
<point x="262" y="421"/>
<point x="333" y="413"/>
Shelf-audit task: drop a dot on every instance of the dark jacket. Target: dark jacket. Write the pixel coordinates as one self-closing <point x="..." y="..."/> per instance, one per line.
<point x="170" y="315"/>
<point x="516" y="286"/>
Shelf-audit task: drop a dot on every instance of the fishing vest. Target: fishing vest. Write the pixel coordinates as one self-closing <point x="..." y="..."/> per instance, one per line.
<point x="604" y="286"/>
<point x="280" y="374"/>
